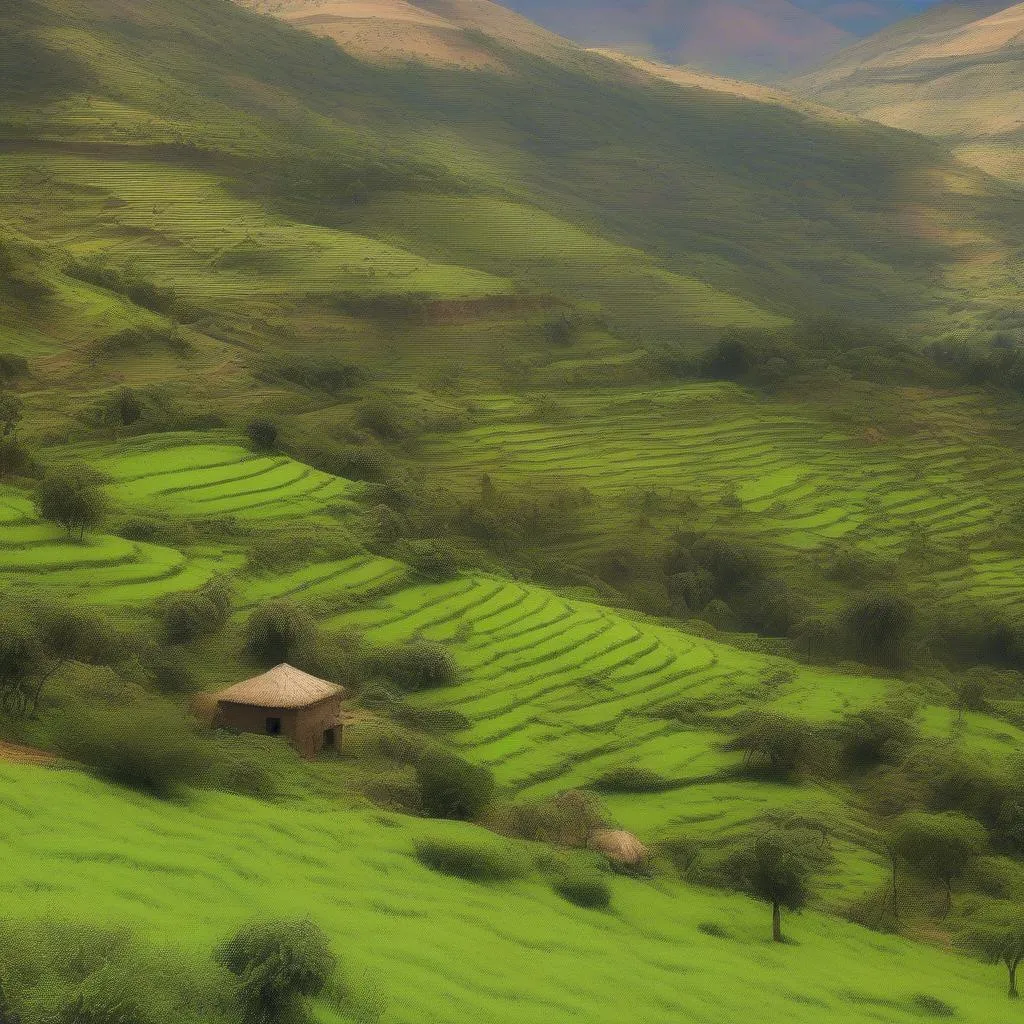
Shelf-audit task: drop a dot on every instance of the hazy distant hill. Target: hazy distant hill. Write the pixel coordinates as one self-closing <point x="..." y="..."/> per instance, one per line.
<point x="749" y="38"/>
<point x="949" y="73"/>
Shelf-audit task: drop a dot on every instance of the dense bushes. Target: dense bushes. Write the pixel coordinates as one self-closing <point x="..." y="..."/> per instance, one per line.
<point x="276" y="964"/>
<point x="278" y="631"/>
<point x="185" y="617"/>
<point x="476" y="859"/>
<point x="451" y="787"/>
<point x="146" y="746"/>
<point x="413" y="666"/>
<point x="632" y="779"/>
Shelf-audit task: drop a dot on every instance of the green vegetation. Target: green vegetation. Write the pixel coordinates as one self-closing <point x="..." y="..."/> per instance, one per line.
<point x="600" y="523"/>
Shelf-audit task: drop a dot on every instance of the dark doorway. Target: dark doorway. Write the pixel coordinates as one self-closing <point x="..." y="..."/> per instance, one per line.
<point x="330" y="737"/>
<point x="273" y="726"/>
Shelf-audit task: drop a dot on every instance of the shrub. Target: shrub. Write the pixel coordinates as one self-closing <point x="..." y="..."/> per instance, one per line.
<point x="188" y="616"/>
<point x="278" y="630"/>
<point x="584" y="887"/>
<point x="383" y="417"/>
<point x="416" y="666"/>
<point x="881" y="626"/>
<point x="276" y="964"/>
<point x="875" y="735"/>
<point x="775" y="745"/>
<point x="262" y="434"/>
<point x="14" y="457"/>
<point x="478" y="860"/>
<point x="107" y="996"/>
<point x="149" y="747"/>
<point x="453" y="788"/>
<point x="627" y="779"/>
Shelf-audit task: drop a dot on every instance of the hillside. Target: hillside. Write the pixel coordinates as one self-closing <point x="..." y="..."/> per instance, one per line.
<point x="637" y="447"/>
<point x="943" y="75"/>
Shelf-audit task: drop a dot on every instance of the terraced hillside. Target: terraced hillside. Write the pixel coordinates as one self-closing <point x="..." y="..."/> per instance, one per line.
<point x="560" y="692"/>
<point x="35" y="556"/>
<point x="787" y="477"/>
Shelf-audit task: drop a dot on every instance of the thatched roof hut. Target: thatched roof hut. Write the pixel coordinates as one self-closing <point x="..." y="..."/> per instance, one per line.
<point x="619" y="846"/>
<point x="284" y="702"/>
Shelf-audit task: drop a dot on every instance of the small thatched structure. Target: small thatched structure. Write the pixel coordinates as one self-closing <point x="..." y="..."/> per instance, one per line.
<point x="284" y="702"/>
<point x="619" y="846"/>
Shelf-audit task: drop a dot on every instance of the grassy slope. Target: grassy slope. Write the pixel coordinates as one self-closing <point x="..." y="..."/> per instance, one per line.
<point x="439" y="949"/>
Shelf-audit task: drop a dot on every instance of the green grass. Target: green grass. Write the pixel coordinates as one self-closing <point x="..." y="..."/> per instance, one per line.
<point x="439" y="948"/>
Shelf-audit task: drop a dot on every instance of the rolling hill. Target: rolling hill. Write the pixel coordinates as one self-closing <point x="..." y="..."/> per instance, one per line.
<point x="642" y="404"/>
<point x="955" y="78"/>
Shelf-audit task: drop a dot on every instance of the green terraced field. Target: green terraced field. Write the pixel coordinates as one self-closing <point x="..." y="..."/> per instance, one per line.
<point x="779" y="476"/>
<point x="182" y="476"/>
<point x="35" y="556"/>
<point x="430" y="949"/>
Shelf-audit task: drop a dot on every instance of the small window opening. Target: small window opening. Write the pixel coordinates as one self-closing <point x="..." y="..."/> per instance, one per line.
<point x="273" y="726"/>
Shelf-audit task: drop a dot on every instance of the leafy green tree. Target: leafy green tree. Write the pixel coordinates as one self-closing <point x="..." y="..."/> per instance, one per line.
<point x="881" y="625"/>
<point x="776" y="868"/>
<point x="11" y="410"/>
<point x="13" y="457"/>
<point x="998" y="936"/>
<point x="775" y="744"/>
<point x="939" y="847"/>
<point x="453" y="788"/>
<point x="122" y="409"/>
<point x="276" y="964"/>
<point x="22" y="664"/>
<point x="71" y="497"/>
<point x="262" y="433"/>
<point x="278" y="630"/>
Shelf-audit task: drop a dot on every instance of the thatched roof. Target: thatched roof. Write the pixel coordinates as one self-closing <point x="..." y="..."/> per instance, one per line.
<point x="281" y="687"/>
<point x="620" y="846"/>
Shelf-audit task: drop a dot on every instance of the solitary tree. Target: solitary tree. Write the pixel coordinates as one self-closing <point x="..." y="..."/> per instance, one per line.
<point x="262" y="433"/>
<point x="881" y="625"/>
<point x="122" y="409"/>
<point x="775" y="868"/>
<point x="939" y="847"/>
<point x="998" y="936"/>
<point x="72" y="498"/>
<point x="278" y="630"/>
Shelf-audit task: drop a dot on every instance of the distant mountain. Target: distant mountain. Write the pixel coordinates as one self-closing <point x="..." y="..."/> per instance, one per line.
<point x="758" y="39"/>
<point x="956" y="73"/>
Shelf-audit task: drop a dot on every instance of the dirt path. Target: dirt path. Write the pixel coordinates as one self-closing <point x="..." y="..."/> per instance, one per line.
<point x="24" y="755"/>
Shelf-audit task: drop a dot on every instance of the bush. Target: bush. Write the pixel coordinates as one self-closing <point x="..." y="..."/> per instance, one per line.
<point x="383" y="417"/>
<point x="149" y="747"/>
<point x="453" y="788"/>
<point x="276" y="964"/>
<point x="416" y="666"/>
<point x="775" y="745"/>
<point x="627" y="779"/>
<point x="262" y="434"/>
<point x="585" y="888"/>
<point x="875" y="735"/>
<point x="279" y="630"/>
<point x="881" y="626"/>
<point x="477" y="860"/>
<point x="186" y="617"/>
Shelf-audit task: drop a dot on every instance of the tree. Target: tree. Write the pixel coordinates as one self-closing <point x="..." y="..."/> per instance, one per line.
<point x="881" y="625"/>
<point x="775" y="744"/>
<point x="122" y="408"/>
<point x="453" y="788"/>
<point x="276" y="631"/>
<point x="71" y="497"/>
<point x="276" y="964"/>
<point x="11" y="409"/>
<point x="998" y="936"/>
<point x="939" y="847"/>
<point x="262" y="433"/>
<point x="22" y="662"/>
<point x="776" y="868"/>
<point x="13" y="457"/>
